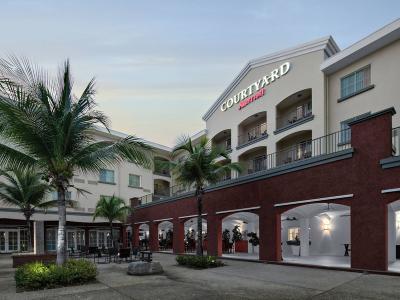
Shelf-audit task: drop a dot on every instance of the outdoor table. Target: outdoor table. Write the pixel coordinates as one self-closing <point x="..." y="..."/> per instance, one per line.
<point x="346" y="249"/>
<point x="146" y="256"/>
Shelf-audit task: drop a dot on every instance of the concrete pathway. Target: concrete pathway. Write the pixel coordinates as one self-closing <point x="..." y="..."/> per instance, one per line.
<point x="237" y="280"/>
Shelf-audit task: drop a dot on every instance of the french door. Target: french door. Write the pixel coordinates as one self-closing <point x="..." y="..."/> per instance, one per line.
<point x="9" y="240"/>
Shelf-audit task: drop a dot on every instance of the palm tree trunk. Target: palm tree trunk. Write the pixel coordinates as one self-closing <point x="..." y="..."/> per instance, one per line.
<point x="111" y="235"/>
<point x="199" y="246"/>
<point x="28" y="236"/>
<point x="62" y="220"/>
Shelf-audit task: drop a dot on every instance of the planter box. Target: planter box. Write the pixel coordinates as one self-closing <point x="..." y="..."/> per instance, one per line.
<point x="242" y="246"/>
<point x="22" y="259"/>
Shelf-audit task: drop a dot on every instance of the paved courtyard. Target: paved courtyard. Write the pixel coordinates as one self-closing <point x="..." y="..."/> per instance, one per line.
<point x="237" y="280"/>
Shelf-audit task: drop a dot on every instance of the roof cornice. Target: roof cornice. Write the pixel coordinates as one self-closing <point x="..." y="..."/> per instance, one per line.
<point x="376" y="40"/>
<point x="326" y="43"/>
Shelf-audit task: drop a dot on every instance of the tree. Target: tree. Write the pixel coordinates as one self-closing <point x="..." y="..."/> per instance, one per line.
<point x="43" y="125"/>
<point x="27" y="191"/>
<point x="236" y="234"/>
<point x="198" y="168"/>
<point x="113" y="209"/>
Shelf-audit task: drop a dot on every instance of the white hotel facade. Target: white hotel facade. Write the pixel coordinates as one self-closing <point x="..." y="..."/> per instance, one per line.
<point x="273" y="113"/>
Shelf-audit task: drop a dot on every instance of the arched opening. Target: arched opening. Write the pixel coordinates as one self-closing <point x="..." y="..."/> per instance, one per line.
<point x="240" y="235"/>
<point x="294" y="147"/>
<point x="161" y="167"/>
<point x="165" y="236"/>
<point x="293" y="109"/>
<point x="223" y="139"/>
<point x="252" y="129"/>
<point x="253" y="160"/>
<point x="161" y="189"/>
<point x="190" y="229"/>
<point x="394" y="236"/>
<point x="144" y="232"/>
<point x="317" y="234"/>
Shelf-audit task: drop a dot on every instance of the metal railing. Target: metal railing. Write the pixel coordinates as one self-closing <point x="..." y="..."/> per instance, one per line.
<point x="175" y="190"/>
<point x="396" y="141"/>
<point x="325" y="145"/>
<point x="252" y="134"/>
<point x="224" y="144"/>
<point x="297" y="114"/>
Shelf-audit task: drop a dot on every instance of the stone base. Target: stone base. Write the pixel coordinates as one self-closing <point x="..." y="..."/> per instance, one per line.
<point x="144" y="268"/>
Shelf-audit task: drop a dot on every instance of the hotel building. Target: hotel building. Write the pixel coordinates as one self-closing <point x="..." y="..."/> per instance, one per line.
<point x="316" y="131"/>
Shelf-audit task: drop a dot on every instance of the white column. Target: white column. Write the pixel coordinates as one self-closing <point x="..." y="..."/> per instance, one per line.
<point x="304" y="237"/>
<point x="38" y="237"/>
<point x="391" y="235"/>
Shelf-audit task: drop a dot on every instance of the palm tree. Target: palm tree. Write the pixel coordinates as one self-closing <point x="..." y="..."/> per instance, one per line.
<point x="43" y="125"/>
<point x="199" y="168"/>
<point x="112" y="209"/>
<point x="27" y="191"/>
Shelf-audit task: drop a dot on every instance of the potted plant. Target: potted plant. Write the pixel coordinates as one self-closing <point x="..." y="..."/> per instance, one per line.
<point x="226" y="238"/>
<point x="254" y="240"/>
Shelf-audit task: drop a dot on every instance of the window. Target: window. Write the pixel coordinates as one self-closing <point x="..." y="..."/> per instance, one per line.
<point x="355" y="82"/>
<point x="134" y="180"/>
<point x="51" y="239"/>
<point x="107" y="176"/>
<point x="345" y="132"/>
<point x="293" y="233"/>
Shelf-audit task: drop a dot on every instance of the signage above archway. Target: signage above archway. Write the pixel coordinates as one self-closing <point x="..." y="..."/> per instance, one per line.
<point x="256" y="90"/>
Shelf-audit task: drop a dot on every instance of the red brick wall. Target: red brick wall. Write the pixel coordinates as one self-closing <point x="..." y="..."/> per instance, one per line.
<point x="360" y="175"/>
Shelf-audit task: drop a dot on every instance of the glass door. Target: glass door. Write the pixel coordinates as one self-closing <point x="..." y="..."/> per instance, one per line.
<point x="9" y="241"/>
<point x="12" y="241"/>
<point x="2" y="241"/>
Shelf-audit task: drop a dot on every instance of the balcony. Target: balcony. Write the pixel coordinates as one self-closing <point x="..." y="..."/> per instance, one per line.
<point x="161" y="167"/>
<point x="293" y="111"/>
<point x="253" y="160"/>
<point x="223" y="140"/>
<point x="161" y="188"/>
<point x="252" y="130"/>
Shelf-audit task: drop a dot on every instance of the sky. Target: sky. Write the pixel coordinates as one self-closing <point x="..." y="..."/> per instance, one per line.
<point x="159" y="65"/>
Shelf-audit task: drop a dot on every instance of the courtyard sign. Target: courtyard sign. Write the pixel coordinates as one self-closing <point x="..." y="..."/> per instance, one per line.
<point x="256" y="90"/>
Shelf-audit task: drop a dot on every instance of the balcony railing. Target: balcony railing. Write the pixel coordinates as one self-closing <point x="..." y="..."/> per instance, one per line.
<point x="325" y="145"/>
<point x="253" y="134"/>
<point x="224" y="144"/>
<point x="175" y="190"/>
<point x="396" y="141"/>
<point x="162" y="172"/>
<point x="292" y="117"/>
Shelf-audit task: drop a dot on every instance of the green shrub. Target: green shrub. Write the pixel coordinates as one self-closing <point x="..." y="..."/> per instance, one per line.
<point x="34" y="276"/>
<point x="200" y="262"/>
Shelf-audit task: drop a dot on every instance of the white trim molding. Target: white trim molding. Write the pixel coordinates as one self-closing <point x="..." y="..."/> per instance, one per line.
<point x="144" y="222"/>
<point x="161" y="220"/>
<point x="316" y="200"/>
<point x="191" y="216"/>
<point x="390" y="191"/>
<point x="237" y="210"/>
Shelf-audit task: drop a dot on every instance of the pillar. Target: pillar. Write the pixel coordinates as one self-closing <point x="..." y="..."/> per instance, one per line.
<point x="270" y="234"/>
<point x="372" y="141"/>
<point x="214" y="235"/>
<point x="304" y="237"/>
<point x="87" y="241"/>
<point x="38" y="237"/>
<point x="135" y="235"/>
<point x="153" y="236"/>
<point x="178" y="243"/>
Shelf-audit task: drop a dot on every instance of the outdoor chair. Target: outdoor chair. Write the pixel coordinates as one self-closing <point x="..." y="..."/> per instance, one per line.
<point x="135" y="253"/>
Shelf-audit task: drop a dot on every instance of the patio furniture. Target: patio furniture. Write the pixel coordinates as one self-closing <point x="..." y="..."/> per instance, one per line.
<point x="146" y="256"/>
<point x="347" y="249"/>
<point x="124" y="254"/>
<point x="135" y="253"/>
